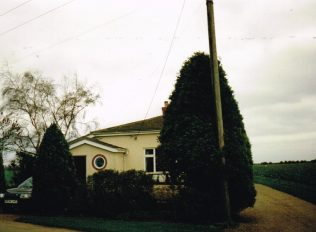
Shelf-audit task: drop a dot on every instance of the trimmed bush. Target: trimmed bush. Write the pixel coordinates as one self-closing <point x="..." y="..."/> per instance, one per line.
<point x="136" y="190"/>
<point x="111" y="193"/>
<point x="103" y="194"/>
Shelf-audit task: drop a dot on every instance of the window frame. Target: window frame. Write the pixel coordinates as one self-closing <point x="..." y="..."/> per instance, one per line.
<point x="150" y="156"/>
<point x="94" y="160"/>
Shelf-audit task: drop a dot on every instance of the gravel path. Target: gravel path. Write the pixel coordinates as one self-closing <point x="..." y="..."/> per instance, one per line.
<point x="276" y="211"/>
<point x="7" y="224"/>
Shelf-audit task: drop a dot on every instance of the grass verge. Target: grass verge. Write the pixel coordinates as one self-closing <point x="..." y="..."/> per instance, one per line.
<point x="103" y="225"/>
<point x="303" y="191"/>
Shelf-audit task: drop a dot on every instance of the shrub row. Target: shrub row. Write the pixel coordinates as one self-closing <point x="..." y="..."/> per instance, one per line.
<point x="111" y="193"/>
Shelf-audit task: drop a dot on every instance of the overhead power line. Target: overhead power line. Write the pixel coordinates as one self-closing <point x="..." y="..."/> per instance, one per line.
<point x="16" y="7"/>
<point x="85" y="32"/>
<point x="35" y="18"/>
<point x="166" y="59"/>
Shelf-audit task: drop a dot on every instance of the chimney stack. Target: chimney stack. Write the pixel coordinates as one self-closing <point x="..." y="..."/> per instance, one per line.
<point x="164" y="108"/>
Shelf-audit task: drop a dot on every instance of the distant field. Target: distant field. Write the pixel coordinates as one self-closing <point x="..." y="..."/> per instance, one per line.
<point x="298" y="179"/>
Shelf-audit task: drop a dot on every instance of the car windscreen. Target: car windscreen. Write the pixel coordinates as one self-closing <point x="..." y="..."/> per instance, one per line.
<point x="28" y="183"/>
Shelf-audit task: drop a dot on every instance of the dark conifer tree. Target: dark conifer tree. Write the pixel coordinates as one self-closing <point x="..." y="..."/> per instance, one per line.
<point x="189" y="147"/>
<point x="2" y="177"/>
<point x="54" y="179"/>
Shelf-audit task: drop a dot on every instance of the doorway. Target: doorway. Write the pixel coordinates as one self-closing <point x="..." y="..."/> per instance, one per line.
<point x="80" y="164"/>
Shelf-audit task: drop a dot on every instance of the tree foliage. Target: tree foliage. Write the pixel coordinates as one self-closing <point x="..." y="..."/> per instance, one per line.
<point x="9" y="130"/>
<point x="54" y="176"/>
<point x="189" y="148"/>
<point x="22" y="166"/>
<point x="37" y="102"/>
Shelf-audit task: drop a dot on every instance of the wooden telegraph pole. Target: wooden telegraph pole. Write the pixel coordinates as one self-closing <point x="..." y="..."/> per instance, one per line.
<point x="217" y="101"/>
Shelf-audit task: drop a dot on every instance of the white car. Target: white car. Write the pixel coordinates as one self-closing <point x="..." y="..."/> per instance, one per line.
<point x="18" y="197"/>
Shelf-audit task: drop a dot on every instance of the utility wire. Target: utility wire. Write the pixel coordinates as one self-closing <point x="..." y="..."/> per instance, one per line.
<point x="166" y="60"/>
<point x="35" y="18"/>
<point x="16" y="7"/>
<point x="76" y="36"/>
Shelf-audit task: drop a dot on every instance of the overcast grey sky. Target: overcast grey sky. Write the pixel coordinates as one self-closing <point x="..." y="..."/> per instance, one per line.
<point x="268" y="49"/>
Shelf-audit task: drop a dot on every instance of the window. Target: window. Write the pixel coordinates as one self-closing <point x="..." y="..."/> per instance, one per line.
<point x="150" y="160"/>
<point x="99" y="162"/>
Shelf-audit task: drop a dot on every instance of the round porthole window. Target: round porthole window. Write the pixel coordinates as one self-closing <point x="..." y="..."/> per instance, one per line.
<point x="99" y="162"/>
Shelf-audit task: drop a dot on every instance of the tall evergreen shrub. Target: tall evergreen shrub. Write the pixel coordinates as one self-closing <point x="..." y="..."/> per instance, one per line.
<point x="54" y="179"/>
<point x="189" y="148"/>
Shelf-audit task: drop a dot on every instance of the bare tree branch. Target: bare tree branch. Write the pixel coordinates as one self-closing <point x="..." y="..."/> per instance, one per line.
<point x="36" y="102"/>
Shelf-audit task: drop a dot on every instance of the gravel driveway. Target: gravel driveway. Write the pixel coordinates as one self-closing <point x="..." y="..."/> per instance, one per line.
<point x="276" y="211"/>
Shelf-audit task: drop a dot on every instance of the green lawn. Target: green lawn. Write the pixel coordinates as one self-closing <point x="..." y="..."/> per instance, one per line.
<point x="297" y="179"/>
<point x="98" y="225"/>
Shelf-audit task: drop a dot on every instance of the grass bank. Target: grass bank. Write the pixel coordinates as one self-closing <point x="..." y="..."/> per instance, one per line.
<point x="303" y="191"/>
<point x="103" y="225"/>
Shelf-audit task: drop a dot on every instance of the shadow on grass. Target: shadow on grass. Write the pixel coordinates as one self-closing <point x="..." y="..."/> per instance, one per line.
<point x="103" y="225"/>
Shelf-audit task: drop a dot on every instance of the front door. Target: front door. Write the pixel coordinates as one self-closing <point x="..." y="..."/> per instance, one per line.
<point x="80" y="163"/>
